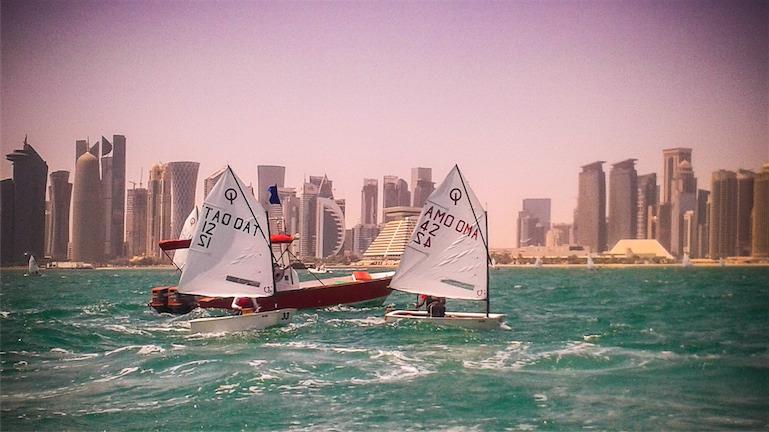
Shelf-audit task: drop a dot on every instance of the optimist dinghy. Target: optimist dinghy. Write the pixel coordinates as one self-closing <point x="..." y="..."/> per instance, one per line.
<point x="448" y="256"/>
<point x="230" y="256"/>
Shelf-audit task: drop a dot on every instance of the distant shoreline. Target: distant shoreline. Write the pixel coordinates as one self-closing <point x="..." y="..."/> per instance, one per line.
<point x="392" y="267"/>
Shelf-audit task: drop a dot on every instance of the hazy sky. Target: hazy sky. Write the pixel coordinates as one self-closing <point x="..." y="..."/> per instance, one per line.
<point x="519" y="94"/>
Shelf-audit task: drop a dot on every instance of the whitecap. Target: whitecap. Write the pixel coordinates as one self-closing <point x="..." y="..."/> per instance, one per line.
<point x="150" y="349"/>
<point x="227" y="388"/>
<point x="4" y="314"/>
<point x="123" y="372"/>
<point x="60" y="351"/>
<point x="123" y="329"/>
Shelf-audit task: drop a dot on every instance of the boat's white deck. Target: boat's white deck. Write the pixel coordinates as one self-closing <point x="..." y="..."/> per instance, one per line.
<point x="341" y="279"/>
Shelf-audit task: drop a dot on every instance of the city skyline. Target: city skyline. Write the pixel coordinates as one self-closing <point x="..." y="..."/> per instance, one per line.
<point x="364" y="91"/>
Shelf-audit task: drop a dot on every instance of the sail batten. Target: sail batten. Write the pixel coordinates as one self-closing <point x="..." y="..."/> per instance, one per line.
<point x="228" y="246"/>
<point x="447" y="254"/>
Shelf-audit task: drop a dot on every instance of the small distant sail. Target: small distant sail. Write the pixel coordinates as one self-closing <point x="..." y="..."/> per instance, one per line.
<point x="34" y="269"/>
<point x="180" y="256"/>
<point x="590" y="263"/>
<point x="447" y="255"/>
<point x="538" y="262"/>
<point x="229" y="254"/>
<point x="685" y="261"/>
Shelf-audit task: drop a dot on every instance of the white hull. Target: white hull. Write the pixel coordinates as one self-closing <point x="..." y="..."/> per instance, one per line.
<point x="236" y="323"/>
<point x="319" y="271"/>
<point x="469" y="320"/>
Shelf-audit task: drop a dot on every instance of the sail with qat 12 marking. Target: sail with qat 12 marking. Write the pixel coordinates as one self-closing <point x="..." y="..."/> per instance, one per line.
<point x="188" y="230"/>
<point x="447" y="254"/>
<point x="229" y="255"/>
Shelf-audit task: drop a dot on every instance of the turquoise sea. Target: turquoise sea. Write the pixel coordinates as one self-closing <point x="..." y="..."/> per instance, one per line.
<point x="619" y="349"/>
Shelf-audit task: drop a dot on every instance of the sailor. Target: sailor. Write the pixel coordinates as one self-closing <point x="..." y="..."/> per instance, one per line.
<point x="424" y="300"/>
<point x="437" y="308"/>
<point x="244" y="305"/>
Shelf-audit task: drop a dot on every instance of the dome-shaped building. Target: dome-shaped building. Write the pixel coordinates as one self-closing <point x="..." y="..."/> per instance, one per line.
<point x="87" y="212"/>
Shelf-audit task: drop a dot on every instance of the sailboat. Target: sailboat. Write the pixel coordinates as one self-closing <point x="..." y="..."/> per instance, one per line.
<point x="448" y="256"/>
<point x="33" y="268"/>
<point x="319" y="270"/>
<point x="590" y="263"/>
<point x="685" y="261"/>
<point x="538" y="262"/>
<point x="188" y="229"/>
<point x="230" y="256"/>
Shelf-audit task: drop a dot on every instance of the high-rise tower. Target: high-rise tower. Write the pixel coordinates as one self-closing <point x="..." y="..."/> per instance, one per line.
<point x="368" y="202"/>
<point x="761" y="213"/>
<point x="590" y="222"/>
<point x="723" y="214"/>
<point x="623" y="201"/>
<point x="672" y="159"/>
<point x="136" y="222"/>
<point x="183" y="177"/>
<point x="745" y="184"/>
<point x="647" y="197"/>
<point x="61" y="197"/>
<point x="330" y="228"/>
<point x="113" y="161"/>
<point x="533" y="222"/>
<point x="27" y="211"/>
<point x="87" y="211"/>
<point x="683" y="200"/>
<point x="422" y="185"/>
<point x="389" y="191"/>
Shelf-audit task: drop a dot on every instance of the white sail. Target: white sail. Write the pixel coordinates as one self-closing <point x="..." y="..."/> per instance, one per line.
<point x="447" y="254"/>
<point x="33" y="267"/>
<point x="590" y="263"/>
<point x="230" y="253"/>
<point x="180" y="256"/>
<point x="686" y="262"/>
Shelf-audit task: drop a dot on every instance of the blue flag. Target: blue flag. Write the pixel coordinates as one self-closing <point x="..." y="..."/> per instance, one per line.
<point x="274" y="198"/>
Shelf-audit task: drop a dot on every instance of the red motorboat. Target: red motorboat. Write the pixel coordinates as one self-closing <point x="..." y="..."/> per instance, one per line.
<point x="359" y="288"/>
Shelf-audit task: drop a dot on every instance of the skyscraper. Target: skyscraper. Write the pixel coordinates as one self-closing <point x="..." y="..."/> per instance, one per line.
<point x="136" y="222"/>
<point x="422" y="185"/>
<point x="647" y="197"/>
<point x="157" y="196"/>
<point x="308" y="204"/>
<point x="113" y="193"/>
<point x="683" y="200"/>
<point x="745" y="180"/>
<point x="183" y="177"/>
<point x="61" y="197"/>
<point x="700" y="242"/>
<point x="590" y="222"/>
<point x="672" y="159"/>
<point x="211" y="180"/>
<point x="368" y="200"/>
<point x="623" y="201"/>
<point x="761" y="213"/>
<point x="30" y="175"/>
<point x="330" y="228"/>
<point x="723" y="214"/>
<point x="667" y="212"/>
<point x="533" y="222"/>
<point x="389" y="191"/>
<point x="87" y="211"/>
<point x="268" y="175"/>
<point x="404" y="195"/>
<point x="6" y="221"/>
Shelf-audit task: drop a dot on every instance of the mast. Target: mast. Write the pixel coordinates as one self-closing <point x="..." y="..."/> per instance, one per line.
<point x="486" y="216"/>
<point x="273" y="260"/>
